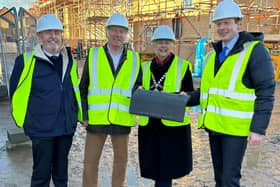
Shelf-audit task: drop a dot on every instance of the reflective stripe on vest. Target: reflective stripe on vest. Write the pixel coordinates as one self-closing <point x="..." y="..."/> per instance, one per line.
<point x="232" y="105"/>
<point x="21" y="95"/>
<point x="229" y="94"/>
<point x="106" y="106"/>
<point x="111" y="98"/>
<point x="231" y="113"/>
<point x="174" y="86"/>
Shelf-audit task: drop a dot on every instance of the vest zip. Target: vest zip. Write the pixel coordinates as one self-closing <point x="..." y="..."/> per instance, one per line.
<point x="108" y="116"/>
<point x="60" y="80"/>
<point x="203" y="125"/>
<point x="204" y="110"/>
<point x="220" y="66"/>
<point x="115" y="77"/>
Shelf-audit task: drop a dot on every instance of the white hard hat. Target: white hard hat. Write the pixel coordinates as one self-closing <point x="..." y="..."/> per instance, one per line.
<point x="117" y="19"/>
<point x="48" y="22"/>
<point x="227" y="9"/>
<point x="163" y="32"/>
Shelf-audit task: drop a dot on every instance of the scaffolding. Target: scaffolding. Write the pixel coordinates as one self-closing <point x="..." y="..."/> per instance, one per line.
<point x="17" y="35"/>
<point x="68" y="12"/>
<point x="182" y="16"/>
<point x="84" y="20"/>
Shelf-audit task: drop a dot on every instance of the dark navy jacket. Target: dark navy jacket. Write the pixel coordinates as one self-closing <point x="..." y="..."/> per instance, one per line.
<point x="52" y="107"/>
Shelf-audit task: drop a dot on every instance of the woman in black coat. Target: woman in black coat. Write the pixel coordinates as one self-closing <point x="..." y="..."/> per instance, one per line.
<point x="165" y="152"/>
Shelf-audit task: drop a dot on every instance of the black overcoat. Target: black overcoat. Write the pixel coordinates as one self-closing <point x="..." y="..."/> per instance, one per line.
<point x="165" y="152"/>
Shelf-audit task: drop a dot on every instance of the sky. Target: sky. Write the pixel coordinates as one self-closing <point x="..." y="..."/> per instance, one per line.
<point x="16" y="3"/>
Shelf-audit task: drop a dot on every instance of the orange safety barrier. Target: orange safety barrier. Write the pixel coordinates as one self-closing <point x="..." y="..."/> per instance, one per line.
<point x="277" y="67"/>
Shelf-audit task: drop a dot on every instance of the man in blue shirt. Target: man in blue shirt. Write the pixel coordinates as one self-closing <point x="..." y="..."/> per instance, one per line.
<point x="236" y="94"/>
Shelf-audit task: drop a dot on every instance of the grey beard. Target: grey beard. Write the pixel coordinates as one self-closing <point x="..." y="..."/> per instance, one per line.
<point x="54" y="48"/>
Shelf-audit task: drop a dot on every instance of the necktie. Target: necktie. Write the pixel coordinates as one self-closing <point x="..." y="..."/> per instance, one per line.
<point x="222" y="55"/>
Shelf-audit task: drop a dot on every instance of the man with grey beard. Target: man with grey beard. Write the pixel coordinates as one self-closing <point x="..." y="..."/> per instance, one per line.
<point x="46" y="102"/>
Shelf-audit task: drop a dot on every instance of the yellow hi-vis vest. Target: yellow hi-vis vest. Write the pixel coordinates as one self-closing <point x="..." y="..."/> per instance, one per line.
<point x="21" y="95"/>
<point x="172" y="83"/>
<point x="227" y="104"/>
<point x="109" y="97"/>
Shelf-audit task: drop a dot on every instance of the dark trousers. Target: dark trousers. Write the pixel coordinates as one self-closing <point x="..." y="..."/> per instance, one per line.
<point x="50" y="160"/>
<point x="227" y="155"/>
<point x="166" y="183"/>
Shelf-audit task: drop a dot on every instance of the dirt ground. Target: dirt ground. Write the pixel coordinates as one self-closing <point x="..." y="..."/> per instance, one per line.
<point x="260" y="166"/>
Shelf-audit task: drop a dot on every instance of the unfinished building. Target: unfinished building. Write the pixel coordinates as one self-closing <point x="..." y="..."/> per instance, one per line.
<point x="84" y="20"/>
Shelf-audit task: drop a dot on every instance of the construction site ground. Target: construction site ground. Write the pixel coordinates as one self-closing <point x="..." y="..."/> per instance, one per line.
<point x="260" y="165"/>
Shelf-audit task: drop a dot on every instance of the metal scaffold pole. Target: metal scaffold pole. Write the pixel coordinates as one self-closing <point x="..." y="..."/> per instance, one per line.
<point x="84" y="20"/>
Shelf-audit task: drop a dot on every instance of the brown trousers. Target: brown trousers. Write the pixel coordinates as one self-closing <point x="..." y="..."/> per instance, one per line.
<point x="93" y="149"/>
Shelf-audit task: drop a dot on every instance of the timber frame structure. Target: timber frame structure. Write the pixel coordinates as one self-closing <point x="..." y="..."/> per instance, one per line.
<point x="84" y="20"/>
